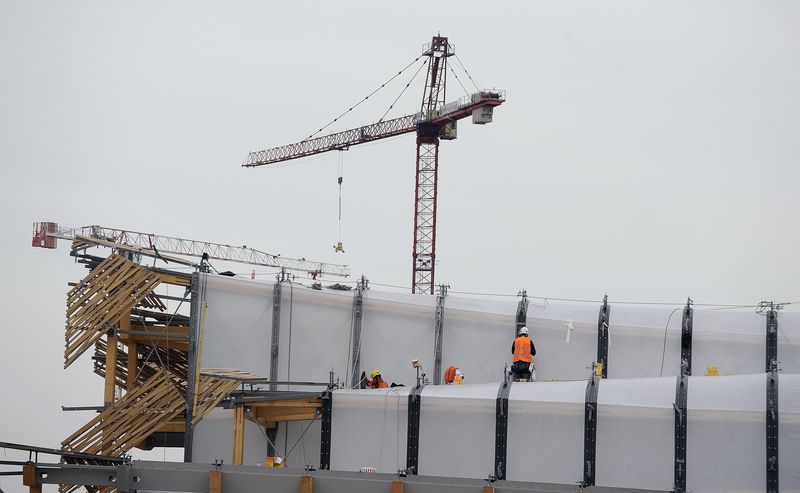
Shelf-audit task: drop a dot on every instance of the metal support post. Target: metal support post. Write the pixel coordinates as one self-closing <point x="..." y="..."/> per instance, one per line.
<point x="358" y="315"/>
<point x="602" y="336"/>
<point x="276" y="330"/>
<point x="681" y="419"/>
<point x="501" y="428"/>
<point x="686" y="337"/>
<point x="522" y="311"/>
<point x="412" y="447"/>
<point x="195" y="315"/>
<point x="325" y="438"/>
<point x="439" y="334"/>
<point x="590" y="431"/>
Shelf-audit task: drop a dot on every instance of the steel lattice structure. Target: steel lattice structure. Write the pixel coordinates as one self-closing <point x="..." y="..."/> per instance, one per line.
<point x="425" y="215"/>
<point x="339" y="141"/>
<point x="435" y="120"/>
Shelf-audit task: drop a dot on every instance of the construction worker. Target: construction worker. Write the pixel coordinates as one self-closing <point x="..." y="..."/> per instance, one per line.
<point x="453" y="375"/>
<point x="523" y="351"/>
<point x="375" y="381"/>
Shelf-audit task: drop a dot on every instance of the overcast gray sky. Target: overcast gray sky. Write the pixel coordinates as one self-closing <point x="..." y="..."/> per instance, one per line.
<point x="647" y="150"/>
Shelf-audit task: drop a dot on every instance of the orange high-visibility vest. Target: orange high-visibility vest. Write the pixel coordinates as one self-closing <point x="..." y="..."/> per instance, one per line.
<point x="522" y="349"/>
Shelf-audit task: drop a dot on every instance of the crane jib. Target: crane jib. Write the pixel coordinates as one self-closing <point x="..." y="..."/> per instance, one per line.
<point x="381" y="130"/>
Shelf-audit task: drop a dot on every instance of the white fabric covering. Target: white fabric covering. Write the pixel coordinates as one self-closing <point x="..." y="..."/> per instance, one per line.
<point x="635" y="426"/>
<point x="789" y="432"/>
<point x="545" y="432"/>
<point x="457" y="421"/>
<point x="726" y="437"/>
<point x="369" y="429"/>
<point x="726" y="427"/>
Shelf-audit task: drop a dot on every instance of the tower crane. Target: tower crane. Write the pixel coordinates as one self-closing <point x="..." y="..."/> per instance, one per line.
<point x="46" y="234"/>
<point x="435" y="121"/>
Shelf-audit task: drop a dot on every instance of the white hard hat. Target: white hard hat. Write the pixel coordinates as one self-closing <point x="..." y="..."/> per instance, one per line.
<point x="459" y="373"/>
<point x="523" y="330"/>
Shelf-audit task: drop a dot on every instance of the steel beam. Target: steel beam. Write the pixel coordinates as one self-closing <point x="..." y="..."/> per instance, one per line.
<point x="412" y="445"/>
<point x="325" y="437"/>
<point x="501" y="429"/>
<point x="686" y="338"/>
<point x="602" y="335"/>
<point x="438" y="340"/>
<point x="171" y="476"/>
<point x="681" y="419"/>
<point x="590" y="431"/>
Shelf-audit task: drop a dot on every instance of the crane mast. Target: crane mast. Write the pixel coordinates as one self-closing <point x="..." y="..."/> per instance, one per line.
<point x="435" y="121"/>
<point x="427" y="176"/>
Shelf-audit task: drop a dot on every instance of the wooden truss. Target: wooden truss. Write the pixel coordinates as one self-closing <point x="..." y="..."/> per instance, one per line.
<point x="102" y="299"/>
<point x="141" y="412"/>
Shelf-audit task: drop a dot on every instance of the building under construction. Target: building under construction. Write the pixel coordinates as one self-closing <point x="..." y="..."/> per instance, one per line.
<point x="261" y="382"/>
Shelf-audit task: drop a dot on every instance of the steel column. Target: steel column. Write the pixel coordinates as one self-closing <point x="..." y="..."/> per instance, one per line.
<point x="325" y="437"/>
<point x="772" y="400"/>
<point x="681" y="419"/>
<point x="425" y="197"/>
<point x="501" y="429"/>
<point x="590" y="431"/>
<point x="439" y="335"/>
<point x="358" y="314"/>
<point x="195" y="318"/>
<point x="686" y="338"/>
<point x="276" y="331"/>
<point x="522" y="311"/>
<point x="412" y="445"/>
<point x="602" y="335"/>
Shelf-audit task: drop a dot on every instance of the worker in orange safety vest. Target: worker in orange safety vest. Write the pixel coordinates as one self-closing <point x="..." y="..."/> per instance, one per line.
<point x="376" y="381"/>
<point x="523" y="351"/>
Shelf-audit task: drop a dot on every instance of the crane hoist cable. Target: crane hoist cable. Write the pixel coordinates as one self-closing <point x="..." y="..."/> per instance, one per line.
<point x="338" y="246"/>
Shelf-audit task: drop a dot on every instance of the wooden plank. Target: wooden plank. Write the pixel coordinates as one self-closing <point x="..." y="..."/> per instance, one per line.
<point x="111" y="370"/>
<point x="133" y="365"/>
<point x="303" y="403"/>
<point x="306" y="484"/>
<point x="214" y="481"/>
<point x="238" y="435"/>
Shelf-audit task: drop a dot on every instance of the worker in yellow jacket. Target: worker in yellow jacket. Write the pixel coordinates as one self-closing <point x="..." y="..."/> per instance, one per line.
<point x="523" y="351"/>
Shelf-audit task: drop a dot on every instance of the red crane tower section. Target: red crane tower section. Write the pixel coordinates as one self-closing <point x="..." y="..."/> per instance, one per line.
<point x="435" y="121"/>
